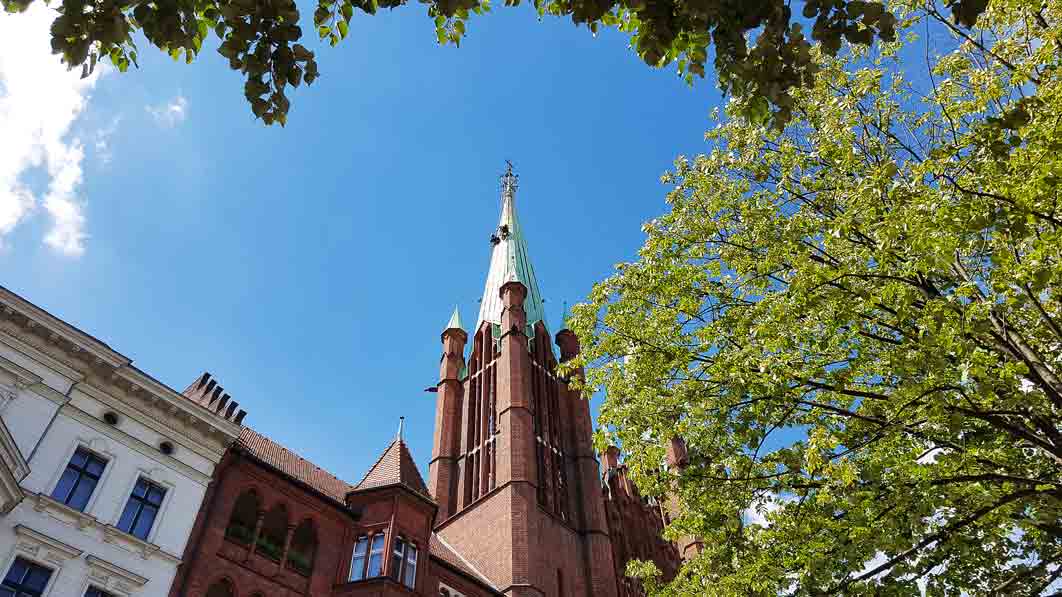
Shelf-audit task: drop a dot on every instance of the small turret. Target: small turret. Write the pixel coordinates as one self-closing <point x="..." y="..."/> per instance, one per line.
<point x="442" y="471"/>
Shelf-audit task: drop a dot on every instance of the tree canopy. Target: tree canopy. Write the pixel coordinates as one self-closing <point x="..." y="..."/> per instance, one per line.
<point x="855" y="323"/>
<point x="760" y="48"/>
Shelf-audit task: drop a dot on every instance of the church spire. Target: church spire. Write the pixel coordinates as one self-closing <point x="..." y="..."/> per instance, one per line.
<point x="509" y="260"/>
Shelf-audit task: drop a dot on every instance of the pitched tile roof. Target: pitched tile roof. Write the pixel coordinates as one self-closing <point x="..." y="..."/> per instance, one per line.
<point x="395" y="467"/>
<point x="293" y="465"/>
<point x="442" y="551"/>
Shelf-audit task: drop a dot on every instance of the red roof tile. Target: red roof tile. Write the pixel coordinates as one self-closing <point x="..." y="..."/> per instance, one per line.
<point x="395" y="467"/>
<point x="293" y="465"/>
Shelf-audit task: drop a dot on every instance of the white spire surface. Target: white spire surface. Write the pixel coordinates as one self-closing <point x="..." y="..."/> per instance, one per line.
<point x="509" y="258"/>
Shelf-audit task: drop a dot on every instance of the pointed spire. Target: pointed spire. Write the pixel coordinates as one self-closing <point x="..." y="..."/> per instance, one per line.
<point x="455" y="320"/>
<point x="401" y="426"/>
<point x="395" y="467"/>
<point x="509" y="260"/>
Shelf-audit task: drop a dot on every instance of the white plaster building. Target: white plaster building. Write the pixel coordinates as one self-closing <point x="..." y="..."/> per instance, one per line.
<point x="112" y="465"/>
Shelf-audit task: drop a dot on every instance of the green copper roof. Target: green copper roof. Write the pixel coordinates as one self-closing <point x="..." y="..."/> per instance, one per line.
<point x="509" y="260"/>
<point x="565" y="316"/>
<point x="455" y="320"/>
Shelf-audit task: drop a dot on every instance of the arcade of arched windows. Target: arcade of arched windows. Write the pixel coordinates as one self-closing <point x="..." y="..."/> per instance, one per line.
<point x="270" y="533"/>
<point x="225" y="588"/>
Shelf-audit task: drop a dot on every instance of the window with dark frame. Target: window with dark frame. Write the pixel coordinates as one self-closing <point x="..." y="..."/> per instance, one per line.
<point x="97" y="592"/>
<point x="141" y="509"/>
<point x="79" y="480"/>
<point x="409" y="573"/>
<point x="367" y="559"/>
<point x="404" y="562"/>
<point x="398" y="552"/>
<point x="25" y="579"/>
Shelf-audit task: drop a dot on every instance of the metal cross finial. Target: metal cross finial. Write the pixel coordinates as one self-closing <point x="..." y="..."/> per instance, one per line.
<point x="509" y="181"/>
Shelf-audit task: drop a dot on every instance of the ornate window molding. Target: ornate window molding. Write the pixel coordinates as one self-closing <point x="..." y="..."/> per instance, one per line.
<point x="113" y="578"/>
<point x="37" y="546"/>
<point x="13" y="468"/>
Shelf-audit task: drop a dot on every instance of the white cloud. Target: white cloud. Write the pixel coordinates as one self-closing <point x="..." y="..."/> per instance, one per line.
<point x="759" y="510"/>
<point x="102" y="144"/>
<point x="39" y="101"/>
<point x="171" y="113"/>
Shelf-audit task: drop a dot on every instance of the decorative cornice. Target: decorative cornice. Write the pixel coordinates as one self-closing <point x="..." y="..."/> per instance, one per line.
<point x="182" y="431"/>
<point x="144" y="549"/>
<point x="39" y="545"/>
<point x="63" y="513"/>
<point x="87" y="523"/>
<point x="83" y="358"/>
<point x="57" y="331"/>
<point x="13" y="468"/>
<point x="24" y="378"/>
<point x="112" y="577"/>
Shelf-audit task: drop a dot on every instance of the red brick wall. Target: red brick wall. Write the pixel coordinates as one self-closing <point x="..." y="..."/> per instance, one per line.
<point x="635" y="526"/>
<point x="211" y="556"/>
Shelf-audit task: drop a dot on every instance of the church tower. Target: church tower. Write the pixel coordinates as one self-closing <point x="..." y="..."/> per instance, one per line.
<point x="513" y="468"/>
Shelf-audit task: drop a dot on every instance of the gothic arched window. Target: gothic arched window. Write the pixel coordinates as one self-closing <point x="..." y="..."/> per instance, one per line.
<point x="242" y="520"/>
<point x="303" y="548"/>
<point x="274" y="531"/>
<point x="222" y="588"/>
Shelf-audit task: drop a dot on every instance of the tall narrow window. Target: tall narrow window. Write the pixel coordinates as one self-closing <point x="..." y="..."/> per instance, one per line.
<point x="274" y="531"/>
<point x="25" y="579"/>
<point x="244" y="515"/>
<point x="94" y="592"/>
<point x="397" y="557"/>
<point x="357" y="561"/>
<point x="404" y="562"/>
<point x="79" y="479"/>
<point x="376" y="555"/>
<point x="409" y="575"/>
<point x="303" y="548"/>
<point x="141" y="509"/>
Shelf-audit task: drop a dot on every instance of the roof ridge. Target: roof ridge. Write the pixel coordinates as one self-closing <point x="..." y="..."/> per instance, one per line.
<point x="464" y="561"/>
<point x="377" y="463"/>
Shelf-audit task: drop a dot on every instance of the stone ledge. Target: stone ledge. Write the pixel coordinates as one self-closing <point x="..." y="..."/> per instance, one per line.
<point x="111" y="534"/>
<point x="37" y="545"/>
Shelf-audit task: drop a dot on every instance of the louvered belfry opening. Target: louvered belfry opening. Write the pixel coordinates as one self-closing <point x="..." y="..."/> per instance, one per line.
<point x="550" y="436"/>
<point x="481" y="454"/>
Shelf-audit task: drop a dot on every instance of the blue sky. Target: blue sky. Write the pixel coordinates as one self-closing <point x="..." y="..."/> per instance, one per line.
<point x="312" y="268"/>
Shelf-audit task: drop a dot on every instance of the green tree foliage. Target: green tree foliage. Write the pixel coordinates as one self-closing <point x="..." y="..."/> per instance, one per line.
<point x="856" y="324"/>
<point x="760" y="49"/>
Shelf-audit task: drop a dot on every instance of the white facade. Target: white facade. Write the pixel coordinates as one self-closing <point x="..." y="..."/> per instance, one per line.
<point x="61" y="390"/>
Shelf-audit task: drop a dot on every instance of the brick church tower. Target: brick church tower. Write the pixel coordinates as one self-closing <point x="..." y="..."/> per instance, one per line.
<point x="513" y="468"/>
